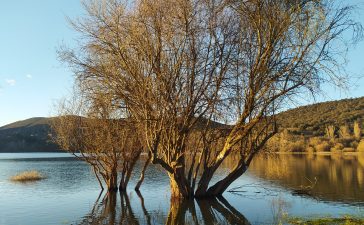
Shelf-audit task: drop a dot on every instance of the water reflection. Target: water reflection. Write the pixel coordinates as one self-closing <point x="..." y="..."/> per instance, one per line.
<point x="116" y="208"/>
<point x="211" y="208"/>
<point x="340" y="178"/>
<point x="106" y="210"/>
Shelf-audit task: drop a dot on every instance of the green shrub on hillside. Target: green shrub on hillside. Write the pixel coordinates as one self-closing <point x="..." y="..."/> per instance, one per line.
<point x="319" y="144"/>
<point x="354" y="144"/>
<point x="298" y="146"/>
<point x="314" y="141"/>
<point x="289" y="140"/>
<point x="323" y="147"/>
<point x="310" y="149"/>
<point x="338" y="147"/>
<point x="347" y="142"/>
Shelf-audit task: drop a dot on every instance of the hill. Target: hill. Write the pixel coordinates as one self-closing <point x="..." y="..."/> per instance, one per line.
<point x="29" y="135"/>
<point x="27" y="123"/>
<point x="32" y="135"/>
<point x="312" y="119"/>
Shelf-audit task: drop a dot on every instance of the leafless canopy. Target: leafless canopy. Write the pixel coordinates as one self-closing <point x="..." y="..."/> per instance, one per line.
<point x="93" y="131"/>
<point x="182" y="67"/>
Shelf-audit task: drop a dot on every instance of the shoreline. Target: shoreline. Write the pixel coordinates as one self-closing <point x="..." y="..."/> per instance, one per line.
<point x="320" y="153"/>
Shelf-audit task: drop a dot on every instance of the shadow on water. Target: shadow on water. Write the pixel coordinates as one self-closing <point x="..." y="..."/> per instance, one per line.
<point x="116" y="208"/>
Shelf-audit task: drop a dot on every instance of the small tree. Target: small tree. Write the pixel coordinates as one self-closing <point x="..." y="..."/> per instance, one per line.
<point x="92" y="131"/>
<point x="330" y="131"/>
<point x="357" y="130"/>
<point x="344" y="131"/>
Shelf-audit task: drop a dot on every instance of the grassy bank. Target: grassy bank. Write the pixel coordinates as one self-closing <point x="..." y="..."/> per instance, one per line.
<point x="345" y="220"/>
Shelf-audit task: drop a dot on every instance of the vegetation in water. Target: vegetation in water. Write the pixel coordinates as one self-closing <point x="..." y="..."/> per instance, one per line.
<point x="27" y="176"/>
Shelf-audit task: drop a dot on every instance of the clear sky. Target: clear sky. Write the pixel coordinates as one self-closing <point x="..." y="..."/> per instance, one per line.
<point x="32" y="78"/>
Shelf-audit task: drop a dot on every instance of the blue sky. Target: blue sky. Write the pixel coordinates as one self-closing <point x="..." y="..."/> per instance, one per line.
<point x="32" y="78"/>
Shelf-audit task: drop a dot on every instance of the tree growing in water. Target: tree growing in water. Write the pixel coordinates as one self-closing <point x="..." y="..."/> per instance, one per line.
<point x="179" y="67"/>
<point x="91" y="129"/>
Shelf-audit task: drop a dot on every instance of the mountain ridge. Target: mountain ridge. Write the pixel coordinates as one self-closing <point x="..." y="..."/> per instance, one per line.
<point x="32" y="135"/>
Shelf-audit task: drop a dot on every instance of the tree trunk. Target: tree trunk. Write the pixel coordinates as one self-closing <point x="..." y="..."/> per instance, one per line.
<point x="204" y="182"/>
<point x="112" y="181"/>
<point x="176" y="193"/>
<point x="122" y="185"/>
<point x="220" y="187"/>
<point x="142" y="175"/>
<point x="179" y="186"/>
<point x="126" y="172"/>
<point x="98" y="178"/>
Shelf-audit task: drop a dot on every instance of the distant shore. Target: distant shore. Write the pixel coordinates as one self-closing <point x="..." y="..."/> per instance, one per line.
<point x="320" y="153"/>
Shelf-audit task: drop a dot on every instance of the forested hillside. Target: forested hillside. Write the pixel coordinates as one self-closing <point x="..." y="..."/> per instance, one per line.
<point x="31" y="135"/>
<point x="335" y="126"/>
<point x="313" y="119"/>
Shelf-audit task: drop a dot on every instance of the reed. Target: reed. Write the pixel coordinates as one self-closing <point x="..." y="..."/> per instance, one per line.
<point x="27" y="176"/>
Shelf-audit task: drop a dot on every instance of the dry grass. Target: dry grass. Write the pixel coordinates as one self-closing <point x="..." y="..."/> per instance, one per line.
<point x="27" y="176"/>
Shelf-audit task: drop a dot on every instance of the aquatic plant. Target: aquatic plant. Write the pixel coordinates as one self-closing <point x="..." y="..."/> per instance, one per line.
<point x="27" y="176"/>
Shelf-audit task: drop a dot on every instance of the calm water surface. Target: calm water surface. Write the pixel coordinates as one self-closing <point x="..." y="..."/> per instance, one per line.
<point x="70" y="194"/>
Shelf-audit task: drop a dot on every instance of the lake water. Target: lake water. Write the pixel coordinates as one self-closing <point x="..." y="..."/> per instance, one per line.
<point x="71" y="195"/>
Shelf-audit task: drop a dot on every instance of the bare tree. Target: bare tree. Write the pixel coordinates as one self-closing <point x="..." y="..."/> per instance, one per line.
<point x="179" y="67"/>
<point x="330" y="131"/>
<point x="357" y="130"/>
<point x="92" y="130"/>
<point x="344" y="131"/>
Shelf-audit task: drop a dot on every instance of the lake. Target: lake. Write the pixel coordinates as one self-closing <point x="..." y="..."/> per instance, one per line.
<point x="70" y="194"/>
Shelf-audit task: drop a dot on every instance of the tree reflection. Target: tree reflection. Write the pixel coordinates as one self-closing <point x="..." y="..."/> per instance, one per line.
<point x="111" y="209"/>
<point x="219" y="211"/>
<point x="340" y="177"/>
<point x="104" y="211"/>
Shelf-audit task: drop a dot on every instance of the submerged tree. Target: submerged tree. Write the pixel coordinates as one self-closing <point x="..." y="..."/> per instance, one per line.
<point x="92" y="130"/>
<point x="181" y="66"/>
